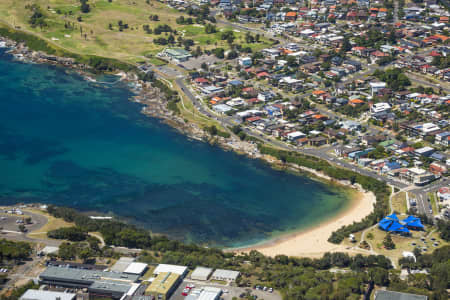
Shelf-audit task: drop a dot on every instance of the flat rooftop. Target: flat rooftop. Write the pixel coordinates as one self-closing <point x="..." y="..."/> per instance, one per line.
<point x="71" y="274"/>
<point x="163" y="283"/>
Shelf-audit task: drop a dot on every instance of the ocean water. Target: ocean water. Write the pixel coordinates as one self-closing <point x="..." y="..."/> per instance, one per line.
<point x="70" y="142"/>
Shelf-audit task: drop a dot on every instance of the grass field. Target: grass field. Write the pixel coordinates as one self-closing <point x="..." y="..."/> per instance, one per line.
<point x="98" y="32"/>
<point x="403" y="243"/>
<point x="399" y="203"/>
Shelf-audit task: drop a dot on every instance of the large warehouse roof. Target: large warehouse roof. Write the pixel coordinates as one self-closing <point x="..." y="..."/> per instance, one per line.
<point x="70" y="274"/>
<point x="136" y="268"/>
<point x="163" y="283"/>
<point x="210" y="293"/>
<point x="226" y="274"/>
<point x="163" y="268"/>
<point x="201" y="273"/>
<point x="46" y="295"/>
<point x="122" y="264"/>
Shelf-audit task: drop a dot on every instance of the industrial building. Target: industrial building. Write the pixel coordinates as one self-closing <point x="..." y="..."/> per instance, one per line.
<point x="122" y="264"/>
<point x="226" y="275"/>
<point x="136" y="268"/>
<point x="101" y="283"/>
<point x="46" y="295"/>
<point x="201" y="273"/>
<point x="210" y="293"/>
<point x="163" y="285"/>
<point x="164" y="268"/>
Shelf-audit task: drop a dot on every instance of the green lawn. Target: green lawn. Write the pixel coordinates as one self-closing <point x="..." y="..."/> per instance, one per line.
<point x="98" y="32"/>
<point x="399" y="202"/>
<point x="157" y="62"/>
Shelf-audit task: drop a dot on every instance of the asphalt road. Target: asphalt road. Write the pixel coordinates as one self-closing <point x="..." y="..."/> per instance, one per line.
<point x="319" y="152"/>
<point x="421" y="195"/>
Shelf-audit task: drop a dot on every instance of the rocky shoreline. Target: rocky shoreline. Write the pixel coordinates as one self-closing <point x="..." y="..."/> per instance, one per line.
<point x="151" y="98"/>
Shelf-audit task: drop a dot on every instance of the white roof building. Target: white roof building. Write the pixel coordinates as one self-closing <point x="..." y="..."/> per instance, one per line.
<point x="380" y="107"/>
<point x="136" y="268"/>
<point x="46" y="295"/>
<point x="226" y="275"/>
<point x="376" y="86"/>
<point x="295" y="135"/>
<point x="164" y="268"/>
<point x="210" y="293"/>
<point x="201" y="273"/>
<point x="429" y="127"/>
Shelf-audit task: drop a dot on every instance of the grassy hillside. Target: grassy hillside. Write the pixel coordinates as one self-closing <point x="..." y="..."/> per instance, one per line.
<point x="97" y="32"/>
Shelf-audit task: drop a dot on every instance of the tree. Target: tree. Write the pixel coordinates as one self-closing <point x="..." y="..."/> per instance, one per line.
<point x="346" y="46"/>
<point x="85" y="254"/>
<point x="171" y="40"/>
<point x="388" y="243"/>
<point x="209" y="28"/>
<point x="85" y="8"/>
<point x="22" y="228"/>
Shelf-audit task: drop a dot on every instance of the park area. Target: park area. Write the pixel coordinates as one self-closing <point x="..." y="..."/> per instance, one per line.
<point x="120" y="29"/>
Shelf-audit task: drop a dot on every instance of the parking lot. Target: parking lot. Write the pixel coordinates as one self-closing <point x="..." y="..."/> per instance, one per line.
<point x="228" y="291"/>
<point x="195" y="63"/>
<point x="9" y="222"/>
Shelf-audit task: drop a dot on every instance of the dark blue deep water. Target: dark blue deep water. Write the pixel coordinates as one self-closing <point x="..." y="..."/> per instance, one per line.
<point x="70" y="142"/>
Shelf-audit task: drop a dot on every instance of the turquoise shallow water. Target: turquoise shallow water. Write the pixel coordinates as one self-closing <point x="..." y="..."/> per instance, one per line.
<point x="70" y="142"/>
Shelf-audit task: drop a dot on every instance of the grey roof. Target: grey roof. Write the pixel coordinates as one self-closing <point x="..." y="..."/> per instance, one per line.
<point x="389" y="295"/>
<point x="46" y="295"/>
<point x="201" y="272"/>
<point x="229" y="274"/>
<point x="112" y="286"/>
<point x="122" y="264"/>
<point x="86" y="275"/>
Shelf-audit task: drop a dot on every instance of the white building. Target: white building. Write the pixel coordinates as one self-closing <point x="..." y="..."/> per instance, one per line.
<point x="164" y="268"/>
<point x="136" y="268"/>
<point x="210" y="293"/>
<point x="201" y="273"/>
<point x="380" y="108"/>
<point x="245" y="61"/>
<point x="428" y="128"/>
<point x="46" y="295"/>
<point x="226" y="275"/>
<point x="292" y="136"/>
<point x="376" y="86"/>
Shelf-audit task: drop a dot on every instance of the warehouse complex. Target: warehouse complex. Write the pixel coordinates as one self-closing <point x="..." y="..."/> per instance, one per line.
<point x="100" y="283"/>
<point x="123" y="281"/>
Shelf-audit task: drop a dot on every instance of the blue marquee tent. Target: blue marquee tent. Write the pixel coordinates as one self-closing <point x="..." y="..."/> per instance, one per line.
<point x="397" y="227"/>
<point x="391" y="223"/>
<point x="414" y="222"/>
<point x="392" y="217"/>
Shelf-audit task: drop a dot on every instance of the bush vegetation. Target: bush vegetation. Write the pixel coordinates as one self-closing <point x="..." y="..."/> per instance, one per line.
<point x="380" y="189"/>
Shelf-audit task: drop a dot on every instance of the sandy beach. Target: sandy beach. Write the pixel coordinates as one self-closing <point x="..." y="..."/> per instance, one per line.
<point x="313" y="242"/>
